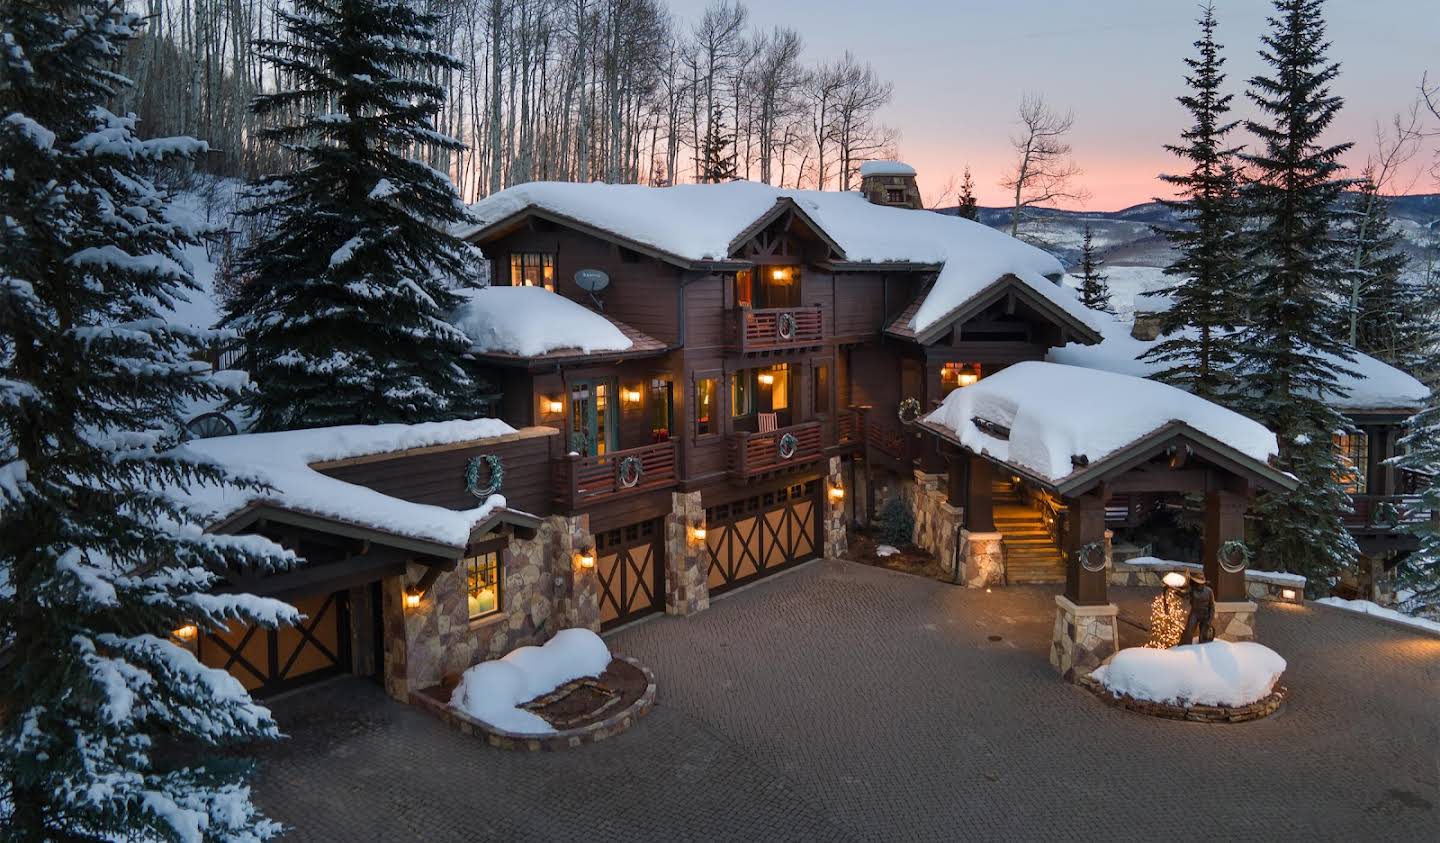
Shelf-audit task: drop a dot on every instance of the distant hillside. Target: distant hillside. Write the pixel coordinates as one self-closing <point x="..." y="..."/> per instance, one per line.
<point x="1127" y="238"/>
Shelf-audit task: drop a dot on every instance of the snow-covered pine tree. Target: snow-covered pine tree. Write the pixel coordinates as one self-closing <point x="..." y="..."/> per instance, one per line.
<point x="968" y="208"/>
<point x="717" y="162"/>
<point x="104" y="722"/>
<point x="1289" y="355"/>
<point x="344" y="312"/>
<point x="1094" y="288"/>
<point x="1419" y="572"/>
<point x="1197" y="350"/>
<point x="1389" y="314"/>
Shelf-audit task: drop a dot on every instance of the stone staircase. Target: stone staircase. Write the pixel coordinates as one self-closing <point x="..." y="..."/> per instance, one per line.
<point x="1030" y="553"/>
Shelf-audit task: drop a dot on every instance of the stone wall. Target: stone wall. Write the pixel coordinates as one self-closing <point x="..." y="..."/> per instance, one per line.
<point x="984" y="559"/>
<point x="836" y="539"/>
<point x="544" y="590"/>
<point x="1235" y="621"/>
<point x="1259" y="585"/>
<point x="1083" y="637"/>
<point x="686" y="559"/>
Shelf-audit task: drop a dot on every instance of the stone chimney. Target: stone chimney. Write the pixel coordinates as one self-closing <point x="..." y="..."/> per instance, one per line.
<point x="890" y="183"/>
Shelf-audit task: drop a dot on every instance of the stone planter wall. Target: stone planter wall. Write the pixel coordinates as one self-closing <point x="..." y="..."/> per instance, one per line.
<point x="984" y="559"/>
<point x="1083" y="637"/>
<point x="544" y="591"/>
<point x="1259" y="585"/>
<point x="686" y="562"/>
<point x="1195" y="713"/>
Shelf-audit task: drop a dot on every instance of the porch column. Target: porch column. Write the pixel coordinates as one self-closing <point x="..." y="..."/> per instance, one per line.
<point x="1224" y="522"/>
<point x="979" y="503"/>
<point x="1084" y="635"/>
<point x="955" y="488"/>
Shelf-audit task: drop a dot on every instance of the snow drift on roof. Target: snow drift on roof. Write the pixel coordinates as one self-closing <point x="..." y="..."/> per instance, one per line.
<point x="698" y="222"/>
<point x="283" y="460"/>
<point x="886" y="168"/>
<point x="1379" y="386"/>
<point x="531" y="321"/>
<point x="1055" y="413"/>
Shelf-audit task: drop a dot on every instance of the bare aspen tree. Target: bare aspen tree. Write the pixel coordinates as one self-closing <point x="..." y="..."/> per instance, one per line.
<point x="1043" y="172"/>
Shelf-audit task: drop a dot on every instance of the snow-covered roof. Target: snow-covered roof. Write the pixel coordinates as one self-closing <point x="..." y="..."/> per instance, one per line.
<point x="1060" y="418"/>
<point x="699" y="222"/>
<point x="1375" y="386"/>
<point x="283" y="459"/>
<point x="531" y="321"/>
<point x="886" y="168"/>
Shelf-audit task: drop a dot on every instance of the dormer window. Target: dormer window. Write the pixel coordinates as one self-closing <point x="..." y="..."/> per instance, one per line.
<point x="894" y="195"/>
<point x="532" y="269"/>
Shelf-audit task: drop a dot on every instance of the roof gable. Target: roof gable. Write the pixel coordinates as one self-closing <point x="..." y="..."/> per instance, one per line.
<point x="1007" y="286"/>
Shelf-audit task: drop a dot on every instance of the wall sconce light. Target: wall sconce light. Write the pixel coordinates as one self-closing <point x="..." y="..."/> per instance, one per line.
<point x="766" y="378"/>
<point x="587" y="559"/>
<point x="777" y="274"/>
<point x="967" y="378"/>
<point x="186" y="632"/>
<point x="631" y="396"/>
<point x="553" y="406"/>
<point x="412" y="599"/>
<point x="697" y="530"/>
<point x="1288" y="593"/>
<point x="837" y="493"/>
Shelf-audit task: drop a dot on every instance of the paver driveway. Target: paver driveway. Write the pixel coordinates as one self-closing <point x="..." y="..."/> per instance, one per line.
<point x="846" y="702"/>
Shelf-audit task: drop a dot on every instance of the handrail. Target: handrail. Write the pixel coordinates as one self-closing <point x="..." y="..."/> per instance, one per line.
<point x="796" y="444"/>
<point x="594" y="478"/>
<point x="764" y="329"/>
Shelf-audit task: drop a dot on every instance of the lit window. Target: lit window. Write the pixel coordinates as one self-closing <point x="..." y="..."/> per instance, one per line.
<point x="532" y="269"/>
<point x="704" y="406"/>
<point x="482" y="582"/>
<point x="760" y="390"/>
<point x="956" y="375"/>
<point x="744" y="288"/>
<point x="1354" y="452"/>
<point x="661" y="407"/>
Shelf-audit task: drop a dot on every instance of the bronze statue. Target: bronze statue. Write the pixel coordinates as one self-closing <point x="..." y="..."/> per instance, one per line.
<point x="1201" y="619"/>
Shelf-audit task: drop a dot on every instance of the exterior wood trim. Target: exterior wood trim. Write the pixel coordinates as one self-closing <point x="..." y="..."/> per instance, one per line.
<point x="266" y="511"/>
<point x="782" y="205"/>
<point x="1004" y="285"/>
<point x="523" y="433"/>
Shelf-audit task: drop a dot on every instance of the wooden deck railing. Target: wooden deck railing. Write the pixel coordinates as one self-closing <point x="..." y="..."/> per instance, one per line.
<point x="773" y="328"/>
<point x="850" y="427"/>
<point x="583" y="480"/>
<point x="1387" y="512"/>
<point x="887" y="441"/>
<point x="757" y="453"/>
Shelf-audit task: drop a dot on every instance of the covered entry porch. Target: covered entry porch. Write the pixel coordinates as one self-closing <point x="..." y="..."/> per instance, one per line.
<point x="1076" y="439"/>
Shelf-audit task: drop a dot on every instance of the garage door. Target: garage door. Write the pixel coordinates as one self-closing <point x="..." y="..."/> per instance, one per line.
<point x="759" y="535"/>
<point x="630" y="565"/>
<point x="269" y="660"/>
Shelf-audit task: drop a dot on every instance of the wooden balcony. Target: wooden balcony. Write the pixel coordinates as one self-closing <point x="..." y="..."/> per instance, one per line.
<point x="887" y="446"/>
<point x="1386" y="513"/>
<point x="775" y="328"/>
<point x="585" y="480"/>
<point x="752" y="454"/>
<point x="850" y="427"/>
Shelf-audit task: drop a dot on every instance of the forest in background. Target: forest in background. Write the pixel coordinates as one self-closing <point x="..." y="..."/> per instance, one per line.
<point x="564" y="90"/>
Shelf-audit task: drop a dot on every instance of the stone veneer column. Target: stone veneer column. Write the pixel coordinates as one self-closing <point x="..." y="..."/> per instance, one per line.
<point x="569" y="538"/>
<point x="984" y="559"/>
<point x="836" y="538"/>
<point x="1235" y="620"/>
<point x="1084" y="637"/>
<point x="686" y="558"/>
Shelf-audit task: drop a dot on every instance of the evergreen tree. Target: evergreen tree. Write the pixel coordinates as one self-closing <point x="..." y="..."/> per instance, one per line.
<point x="1419" y="572"/>
<point x="1390" y="316"/>
<point x="717" y="162"/>
<point x="1288" y="350"/>
<point x="968" y="209"/>
<point x="1094" y="287"/>
<point x="1198" y="349"/>
<point x="104" y="722"/>
<point x="344" y="315"/>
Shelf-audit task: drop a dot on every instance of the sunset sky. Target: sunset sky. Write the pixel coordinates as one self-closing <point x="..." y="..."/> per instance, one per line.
<point x="960" y="68"/>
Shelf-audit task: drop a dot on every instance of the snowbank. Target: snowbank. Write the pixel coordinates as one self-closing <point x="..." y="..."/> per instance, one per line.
<point x="1217" y="673"/>
<point x="530" y="321"/>
<point x="1366" y="607"/>
<point x="1374" y="384"/>
<point x="886" y="168"/>
<point x="1057" y="413"/>
<point x="491" y="691"/>
<point x="698" y="222"/>
<point x="282" y="460"/>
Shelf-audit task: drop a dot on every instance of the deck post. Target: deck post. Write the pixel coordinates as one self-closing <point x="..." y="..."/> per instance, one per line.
<point x="1085" y="633"/>
<point x="1225" y="522"/>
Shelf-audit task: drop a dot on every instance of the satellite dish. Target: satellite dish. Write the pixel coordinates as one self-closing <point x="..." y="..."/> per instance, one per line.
<point x="591" y="280"/>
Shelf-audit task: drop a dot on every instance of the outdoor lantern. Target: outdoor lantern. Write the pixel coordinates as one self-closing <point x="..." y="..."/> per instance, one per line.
<point x="967" y="378"/>
<point x="554" y="406"/>
<point x="186" y="632"/>
<point x="837" y="493"/>
<point x="587" y="558"/>
<point x="698" y="531"/>
<point x="1175" y="579"/>
<point x="777" y="274"/>
<point x="766" y="378"/>
<point x="1288" y="593"/>
<point x="632" y="396"/>
<point x="412" y="599"/>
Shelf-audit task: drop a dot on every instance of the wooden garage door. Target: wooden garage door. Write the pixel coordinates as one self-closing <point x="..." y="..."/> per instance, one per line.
<point x="762" y="534"/>
<point x="630" y="563"/>
<point x="266" y="660"/>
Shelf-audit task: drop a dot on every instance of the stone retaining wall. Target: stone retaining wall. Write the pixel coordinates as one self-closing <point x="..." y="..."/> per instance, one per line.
<point x="1083" y="637"/>
<point x="1195" y="713"/>
<point x="1259" y="585"/>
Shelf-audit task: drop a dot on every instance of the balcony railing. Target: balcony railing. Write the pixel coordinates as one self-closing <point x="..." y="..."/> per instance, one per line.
<point x="584" y="480"/>
<point x="850" y="427"/>
<point x="775" y="328"/>
<point x="886" y="441"/>
<point x="1387" y="512"/>
<point x="757" y="453"/>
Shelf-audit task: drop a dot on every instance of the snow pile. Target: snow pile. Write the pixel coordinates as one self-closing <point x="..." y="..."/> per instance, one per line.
<point x="1217" y="673"/>
<point x="698" y="222"/>
<point x="886" y="168"/>
<point x="885" y="550"/>
<point x="1374" y="384"/>
<point x="1056" y="414"/>
<point x="530" y="321"/>
<point x="1366" y="607"/>
<point x="492" y="691"/>
<point x="282" y="461"/>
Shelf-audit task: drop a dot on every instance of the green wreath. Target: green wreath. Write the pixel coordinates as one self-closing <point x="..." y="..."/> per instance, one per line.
<point x="787" y="446"/>
<point x="1088" y="552"/>
<point x="472" y="475"/>
<point x="1234" y="556"/>
<point x="909" y="410"/>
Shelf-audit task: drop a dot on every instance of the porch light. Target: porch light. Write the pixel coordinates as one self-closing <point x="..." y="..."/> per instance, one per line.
<point x="837" y="493"/>
<point x="777" y="274"/>
<point x="412" y="599"/>
<point x="766" y="378"/>
<point x="554" y="406"/>
<point x="631" y="396"/>
<point x="698" y="532"/>
<point x="1287" y="593"/>
<point x="186" y="632"/>
<point x="587" y="559"/>
<point x="966" y="378"/>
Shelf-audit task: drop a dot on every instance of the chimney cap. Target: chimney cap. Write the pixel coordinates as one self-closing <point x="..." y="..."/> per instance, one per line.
<point x="886" y="168"/>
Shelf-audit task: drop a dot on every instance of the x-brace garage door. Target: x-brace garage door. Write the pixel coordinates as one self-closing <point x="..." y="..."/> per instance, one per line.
<point x="759" y="535"/>
<point x="268" y="660"/>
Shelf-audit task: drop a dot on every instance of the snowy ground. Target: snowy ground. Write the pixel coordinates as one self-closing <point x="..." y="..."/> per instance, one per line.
<point x="1366" y="607"/>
